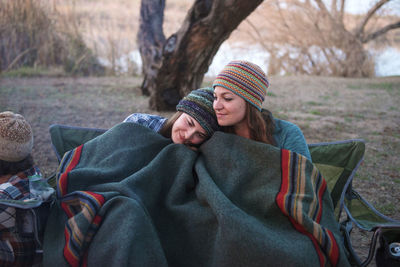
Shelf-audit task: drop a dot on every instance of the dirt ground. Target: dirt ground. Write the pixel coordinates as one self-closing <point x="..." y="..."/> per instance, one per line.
<point x="326" y="109"/>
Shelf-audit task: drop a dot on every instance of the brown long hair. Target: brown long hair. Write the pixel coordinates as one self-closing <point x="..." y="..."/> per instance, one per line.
<point x="166" y="130"/>
<point x="261" y="125"/>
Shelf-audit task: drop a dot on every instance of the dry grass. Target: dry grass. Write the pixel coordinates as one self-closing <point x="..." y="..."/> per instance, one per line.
<point x="34" y="34"/>
<point x="109" y="28"/>
<point x="26" y="33"/>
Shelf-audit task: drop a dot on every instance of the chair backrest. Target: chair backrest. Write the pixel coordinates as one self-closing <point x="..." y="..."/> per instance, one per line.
<point x="338" y="163"/>
<point x="65" y="138"/>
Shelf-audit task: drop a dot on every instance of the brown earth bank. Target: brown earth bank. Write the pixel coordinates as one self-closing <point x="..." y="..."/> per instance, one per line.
<point x="325" y="108"/>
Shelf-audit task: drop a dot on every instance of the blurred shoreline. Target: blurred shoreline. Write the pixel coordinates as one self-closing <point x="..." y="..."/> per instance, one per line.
<point x="386" y="59"/>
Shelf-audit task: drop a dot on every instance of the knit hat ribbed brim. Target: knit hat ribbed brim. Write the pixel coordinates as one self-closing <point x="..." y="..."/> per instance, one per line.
<point x="199" y="105"/>
<point x="245" y="79"/>
<point x="16" y="138"/>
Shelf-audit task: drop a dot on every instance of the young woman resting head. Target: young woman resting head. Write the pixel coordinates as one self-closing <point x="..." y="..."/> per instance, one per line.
<point x="192" y="124"/>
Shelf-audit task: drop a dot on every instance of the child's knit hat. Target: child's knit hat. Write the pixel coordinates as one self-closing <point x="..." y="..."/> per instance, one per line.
<point x="199" y="105"/>
<point x="245" y="79"/>
<point x="16" y="138"/>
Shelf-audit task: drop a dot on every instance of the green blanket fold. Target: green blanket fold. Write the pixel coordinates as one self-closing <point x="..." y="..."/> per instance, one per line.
<point x="132" y="198"/>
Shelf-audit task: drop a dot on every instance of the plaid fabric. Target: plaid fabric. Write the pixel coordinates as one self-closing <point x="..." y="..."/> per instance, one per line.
<point x="17" y="240"/>
<point x="18" y="249"/>
<point x="17" y="188"/>
<point x="153" y="122"/>
<point x="306" y="218"/>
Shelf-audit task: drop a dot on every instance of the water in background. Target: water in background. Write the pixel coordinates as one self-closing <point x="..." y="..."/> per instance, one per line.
<point x="387" y="61"/>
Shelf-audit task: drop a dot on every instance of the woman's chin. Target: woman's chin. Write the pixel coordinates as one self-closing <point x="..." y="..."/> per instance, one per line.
<point x="176" y="140"/>
<point x="224" y="123"/>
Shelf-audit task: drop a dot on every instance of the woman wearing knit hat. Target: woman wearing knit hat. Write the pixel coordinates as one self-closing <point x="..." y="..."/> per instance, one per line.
<point x="16" y="141"/>
<point x="21" y="185"/>
<point x="192" y="124"/>
<point x="239" y="91"/>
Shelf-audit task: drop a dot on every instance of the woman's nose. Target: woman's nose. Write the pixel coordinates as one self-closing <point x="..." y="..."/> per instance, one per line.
<point x="188" y="134"/>
<point x="217" y="105"/>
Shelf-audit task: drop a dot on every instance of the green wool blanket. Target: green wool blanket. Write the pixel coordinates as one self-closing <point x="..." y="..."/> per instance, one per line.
<point x="130" y="197"/>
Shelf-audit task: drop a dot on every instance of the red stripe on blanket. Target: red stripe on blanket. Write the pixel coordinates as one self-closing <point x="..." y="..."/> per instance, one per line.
<point x="63" y="182"/>
<point x="75" y="204"/>
<point x="281" y="197"/>
<point x="85" y="260"/>
<point x="100" y="198"/>
<point x="301" y="229"/>
<point x="97" y="220"/>
<point x="321" y="192"/>
<point x="334" y="253"/>
<point x="284" y="194"/>
<point x="67" y="210"/>
<point x="69" y="256"/>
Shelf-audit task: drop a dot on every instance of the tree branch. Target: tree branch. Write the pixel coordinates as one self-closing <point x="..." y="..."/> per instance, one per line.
<point x="333" y="6"/>
<point x="341" y="12"/>
<point x="360" y="30"/>
<point x="17" y="58"/>
<point x="322" y="7"/>
<point x="259" y="38"/>
<point x="338" y="11"/>
<point x="380" y="32"/>
<point x="325" y="12"/>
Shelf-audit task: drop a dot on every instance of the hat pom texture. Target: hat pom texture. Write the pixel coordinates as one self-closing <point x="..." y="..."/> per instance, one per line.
<point x="245" y="79"/>
<point x="199" y="104"/>
<point x="16" y="138"/>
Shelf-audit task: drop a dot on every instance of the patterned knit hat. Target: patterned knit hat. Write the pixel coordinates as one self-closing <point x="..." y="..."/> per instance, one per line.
<point x="199" y="105"/>
<point x="16" y="138"/>
<point x="245" y="79"/>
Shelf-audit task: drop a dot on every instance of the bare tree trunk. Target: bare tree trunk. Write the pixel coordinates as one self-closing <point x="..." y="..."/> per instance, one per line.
<point x="187" y="54"/>
<point x="150" y="39"/>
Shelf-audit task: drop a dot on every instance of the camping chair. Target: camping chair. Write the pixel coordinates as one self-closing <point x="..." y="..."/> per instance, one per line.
<point x="65" y="138"/>
<point x="337" y="162"/>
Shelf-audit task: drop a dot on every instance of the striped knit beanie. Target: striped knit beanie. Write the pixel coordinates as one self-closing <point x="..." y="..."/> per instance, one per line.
<point x="199" y="105"/>
<point x="245" y="79"/>
<point x="16" y="138"/>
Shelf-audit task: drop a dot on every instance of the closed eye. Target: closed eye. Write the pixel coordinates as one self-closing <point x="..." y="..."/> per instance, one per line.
<point x="201" y="135"/>
<point x="190" y="123"/>
<point x="224" y="97"/>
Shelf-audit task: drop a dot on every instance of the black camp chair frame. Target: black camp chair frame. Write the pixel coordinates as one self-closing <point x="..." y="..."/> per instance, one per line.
<point x="65" y="138"/>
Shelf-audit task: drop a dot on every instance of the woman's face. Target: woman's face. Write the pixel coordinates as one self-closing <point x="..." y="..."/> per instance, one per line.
<point x="186" y="130"/>
<point x="229" y="107"/>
